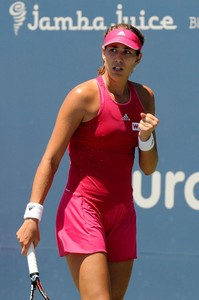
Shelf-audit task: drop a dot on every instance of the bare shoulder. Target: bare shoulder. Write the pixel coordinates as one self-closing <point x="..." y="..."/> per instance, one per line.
<point x="146" y="96"/>
<point x="85" y="91"/>
<point x="84" y="98"/>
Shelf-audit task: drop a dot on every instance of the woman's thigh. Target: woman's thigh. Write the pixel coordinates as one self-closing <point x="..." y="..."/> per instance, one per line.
<point x="90" y="273"/>
<point x="120" y="274"/>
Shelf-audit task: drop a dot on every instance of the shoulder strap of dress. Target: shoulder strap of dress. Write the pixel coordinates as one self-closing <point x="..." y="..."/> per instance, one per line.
<point x="135" y="94"/>
<point x="100" y="83"/>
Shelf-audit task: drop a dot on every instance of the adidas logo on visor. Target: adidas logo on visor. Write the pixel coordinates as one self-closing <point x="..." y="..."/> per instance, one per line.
<point x="121" y="33"/>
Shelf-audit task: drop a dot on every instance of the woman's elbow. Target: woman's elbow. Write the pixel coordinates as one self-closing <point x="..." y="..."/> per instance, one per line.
<point x="149" y="169"/>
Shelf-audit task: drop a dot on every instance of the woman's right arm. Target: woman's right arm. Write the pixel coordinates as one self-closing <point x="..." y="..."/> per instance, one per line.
<point x="69" y="117"/>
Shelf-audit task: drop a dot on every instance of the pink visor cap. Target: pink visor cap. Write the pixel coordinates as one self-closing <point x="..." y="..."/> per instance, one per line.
<point x="123" y="36"/>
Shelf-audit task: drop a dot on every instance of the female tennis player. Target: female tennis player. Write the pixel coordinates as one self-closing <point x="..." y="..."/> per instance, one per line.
<point x="101" y="122"/>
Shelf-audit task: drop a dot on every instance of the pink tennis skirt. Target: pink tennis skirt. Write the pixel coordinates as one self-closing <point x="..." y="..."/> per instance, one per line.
<point x="84" y="227"/>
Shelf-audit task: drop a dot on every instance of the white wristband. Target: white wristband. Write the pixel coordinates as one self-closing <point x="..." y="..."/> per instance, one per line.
<point x="34" y="210"/>
<point x="147" y="145"/>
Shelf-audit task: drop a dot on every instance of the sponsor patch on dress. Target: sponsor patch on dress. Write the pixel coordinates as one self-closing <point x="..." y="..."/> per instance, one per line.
<point x="135" y="126"/>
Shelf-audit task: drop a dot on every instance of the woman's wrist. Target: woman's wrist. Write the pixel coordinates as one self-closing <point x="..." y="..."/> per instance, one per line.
<point x="146" y="145"/>
<point x="33" y="211"/>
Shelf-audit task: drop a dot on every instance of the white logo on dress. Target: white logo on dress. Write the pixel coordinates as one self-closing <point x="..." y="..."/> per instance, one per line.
<point x="18" y="11"/>
<point x="125" y="118"/>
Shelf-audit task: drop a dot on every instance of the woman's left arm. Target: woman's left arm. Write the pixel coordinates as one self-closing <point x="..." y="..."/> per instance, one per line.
<point x="148" y="156"/>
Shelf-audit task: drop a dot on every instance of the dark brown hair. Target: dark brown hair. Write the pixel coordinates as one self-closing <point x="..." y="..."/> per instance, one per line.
<point x="101" y="70"/>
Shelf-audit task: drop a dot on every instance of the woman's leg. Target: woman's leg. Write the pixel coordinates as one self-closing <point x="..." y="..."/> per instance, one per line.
<point x="91" y="275"/>
<point x="120" y="273"/>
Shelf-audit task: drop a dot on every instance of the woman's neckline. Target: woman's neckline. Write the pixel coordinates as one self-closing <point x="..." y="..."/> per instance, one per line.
<point x="119" y="99"/>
